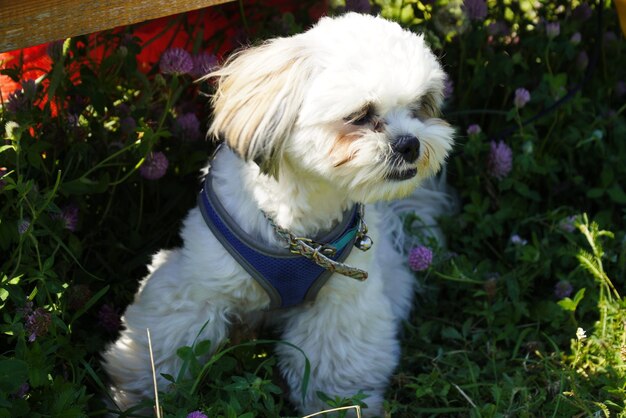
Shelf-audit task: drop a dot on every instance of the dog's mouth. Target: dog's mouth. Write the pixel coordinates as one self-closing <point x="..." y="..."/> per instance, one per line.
<point x="399" y="175"/>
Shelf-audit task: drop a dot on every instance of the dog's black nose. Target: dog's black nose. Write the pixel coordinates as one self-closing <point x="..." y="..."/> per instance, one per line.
<point x="407" y="147"/>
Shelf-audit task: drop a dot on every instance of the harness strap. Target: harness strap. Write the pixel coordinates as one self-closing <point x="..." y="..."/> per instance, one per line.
<point x="289" y="279"/>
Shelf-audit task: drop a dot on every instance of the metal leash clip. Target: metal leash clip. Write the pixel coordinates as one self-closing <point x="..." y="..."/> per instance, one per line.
<point x="363" y="242"/>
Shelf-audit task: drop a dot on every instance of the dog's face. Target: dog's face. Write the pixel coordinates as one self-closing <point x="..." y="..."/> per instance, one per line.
<point x="353" y="101"/>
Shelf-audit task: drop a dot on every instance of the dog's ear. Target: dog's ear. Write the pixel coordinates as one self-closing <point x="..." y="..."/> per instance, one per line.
<point x="258" y="98"/>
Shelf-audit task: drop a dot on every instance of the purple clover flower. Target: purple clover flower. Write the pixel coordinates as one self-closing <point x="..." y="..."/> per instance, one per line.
<point x="475" y="9"/>
<point x="582" y="12"/>
<point x="575" y="39"/>
<point x="420" y="258"/>
<point x="500" y="161"/>
<point x="473" y="129"/>
<point x="22" y="99"/>
<point x="498" y="28"/>
<point x="78" y="295"/>
<point x="517" y="240"/>
<point x="37" y="323"/>
<point x="563" y="289"/>
<point x="128" y="125"/>
<point x="203" y="64"/>
<point x="23" y="225"/>
<point x="553" y="29"/>
<point x="358" y="6"/>
<point x="22" y="391"/>
<point x="69" y="215"/>
<point x="27" y="309"/>
<point x="122" y="110"/>
<point x="29" y="87"/>
<point x="73" y="120"/>
<point x="3" y="171"/>
<point x="241" y="37"/>
<point x="522" y="96"/>
<point x="610" y="37"/>
<point x="17" y="102"/>
<point x="568" y="224"/>
<point x="154" y="166"/>
<point x="448" y="88"/>
<point x="582" y="60"/>
<point x="109" y="318"/>
<point x="77" y="104"/>
<point x="196" y="414"/>
<point x="490" y="286"/>
<point x="187" y="126"/>
<point x="283" y="26"/>
<point x="175" y="61"/>
<point x="620" y="88"/>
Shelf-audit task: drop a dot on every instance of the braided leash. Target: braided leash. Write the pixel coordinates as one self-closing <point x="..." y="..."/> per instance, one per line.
<point x="319" y="253"/>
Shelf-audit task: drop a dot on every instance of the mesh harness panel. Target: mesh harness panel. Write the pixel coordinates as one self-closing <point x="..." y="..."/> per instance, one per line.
<point x="289" y="279"/>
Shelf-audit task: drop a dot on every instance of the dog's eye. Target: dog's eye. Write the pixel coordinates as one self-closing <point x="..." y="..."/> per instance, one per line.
<point x="426" y="108"/>
<point x="419" y="113"/>
<point x="362" y="120"/>
<point x="362" y="117"/>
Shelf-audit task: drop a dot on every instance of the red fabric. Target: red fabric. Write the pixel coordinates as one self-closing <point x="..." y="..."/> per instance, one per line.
<point x="36" y="63"/>
<point x="157" y="35"/>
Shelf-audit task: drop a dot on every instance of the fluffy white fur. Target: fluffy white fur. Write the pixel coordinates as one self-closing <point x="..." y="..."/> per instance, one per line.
<point x="299" y="149"/>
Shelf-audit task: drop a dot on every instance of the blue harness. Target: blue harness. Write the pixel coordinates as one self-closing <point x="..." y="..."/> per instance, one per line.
<point x="289" y="279"/>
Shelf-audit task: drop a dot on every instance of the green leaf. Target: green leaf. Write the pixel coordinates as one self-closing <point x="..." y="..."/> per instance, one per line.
<point x="513" y="289"/>
<point x="6" y="147"/>
<point x="190" y="361"/>
<point x="579" y="295"/>
<point x="595" y="193"/>
<point x="451" y="333"/>
<point x="49" y="263"/>
<point x="616" y="193"/>
<point x="185" y="353"/>
<point x="406" y="14"/>
<point x="168" y="377"/>
<point x="84" y="185"/>
<point x="524" y="190"/>
<point x="607" y="177"/>
<point x="323" y="397"/>
<point x="230" y="412"/>
<point x="587" y="261"/>
<point x="567" y="304"/>
<point x="39" y="366"/>
<point x="202" y="348"/>
<point x="571" y="304"/>
<point x="56" y="76"/>
<point x="13" y="374"/>
<point x="467" y="327"/>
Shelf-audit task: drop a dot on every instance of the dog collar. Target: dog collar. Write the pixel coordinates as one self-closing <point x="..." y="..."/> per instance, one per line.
<point x="289" y="279"/>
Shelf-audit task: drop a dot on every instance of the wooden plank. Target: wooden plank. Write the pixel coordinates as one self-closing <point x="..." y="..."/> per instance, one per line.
<point x="32" y="22"/>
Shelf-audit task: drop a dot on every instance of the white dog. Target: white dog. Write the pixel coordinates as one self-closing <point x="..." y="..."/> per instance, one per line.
<point x="315" y="125"/>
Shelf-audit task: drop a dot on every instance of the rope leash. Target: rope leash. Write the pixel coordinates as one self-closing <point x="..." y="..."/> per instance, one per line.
<point x="319" y="253"/>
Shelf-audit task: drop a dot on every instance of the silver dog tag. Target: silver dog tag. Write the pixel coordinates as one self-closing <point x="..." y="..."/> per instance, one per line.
<point x="363" y="242"/>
